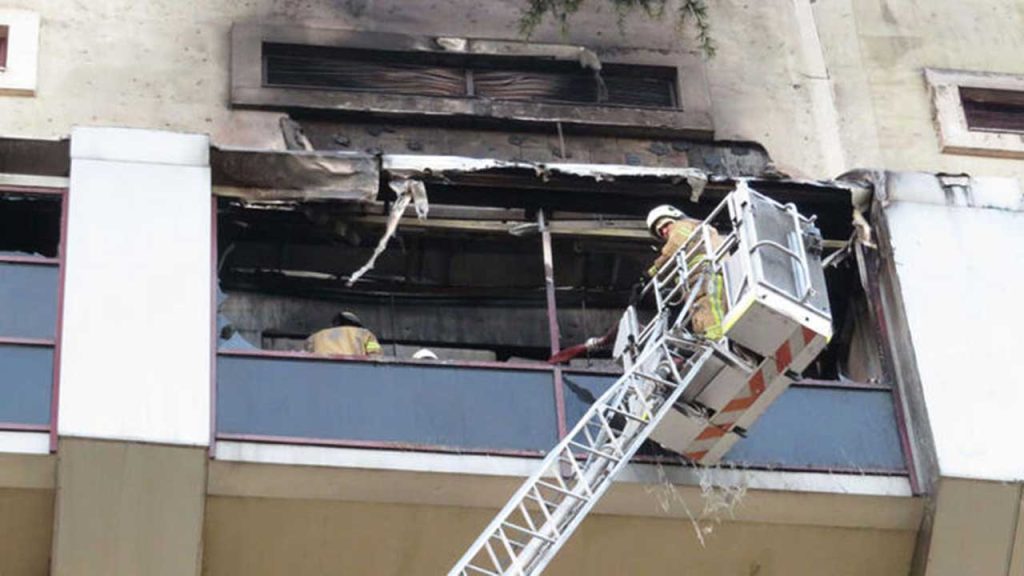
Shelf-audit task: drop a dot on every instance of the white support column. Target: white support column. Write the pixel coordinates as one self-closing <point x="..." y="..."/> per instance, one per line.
<point x="135" y="362"/>
<point x="134" y="400"/>
<point x="956" y="247"/>
<point x="957" y="253"/>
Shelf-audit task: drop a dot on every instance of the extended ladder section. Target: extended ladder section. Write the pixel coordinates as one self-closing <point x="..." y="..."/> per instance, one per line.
<point x="692" y="395"/>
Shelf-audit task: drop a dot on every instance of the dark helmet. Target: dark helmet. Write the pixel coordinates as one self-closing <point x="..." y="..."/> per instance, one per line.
<point x="347" y="318"/>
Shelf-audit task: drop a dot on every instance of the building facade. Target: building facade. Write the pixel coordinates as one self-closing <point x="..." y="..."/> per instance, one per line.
<point x="189" y="190"/>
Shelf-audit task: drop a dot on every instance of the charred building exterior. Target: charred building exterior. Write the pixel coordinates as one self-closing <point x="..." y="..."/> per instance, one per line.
<point x="189" y="191"/>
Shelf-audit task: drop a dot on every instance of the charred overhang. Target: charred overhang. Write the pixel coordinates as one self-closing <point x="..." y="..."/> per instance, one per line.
<point x="611" y="189"/>
<point x="294" y="175"/>
<point x="35" y="157"/>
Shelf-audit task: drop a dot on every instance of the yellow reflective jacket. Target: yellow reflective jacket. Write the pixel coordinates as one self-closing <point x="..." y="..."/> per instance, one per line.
<point x="709" y="308"/>
<point x="343" y="340"/>
<point x="677" y="236"/>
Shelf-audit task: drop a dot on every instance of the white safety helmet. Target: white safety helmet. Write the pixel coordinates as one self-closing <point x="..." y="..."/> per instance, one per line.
<point x="424" y="354"/>
<point x="654" y="217"/>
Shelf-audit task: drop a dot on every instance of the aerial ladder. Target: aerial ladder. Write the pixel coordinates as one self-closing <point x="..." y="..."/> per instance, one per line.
<point x="689" y="394"/>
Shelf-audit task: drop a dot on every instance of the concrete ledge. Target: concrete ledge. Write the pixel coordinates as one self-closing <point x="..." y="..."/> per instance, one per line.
<point x="136" y="145"/>
<point x="957" y="191"/>
<point x="33" y="181"/>
<point x="301" y="472"/>
<point x="25" y="442"/>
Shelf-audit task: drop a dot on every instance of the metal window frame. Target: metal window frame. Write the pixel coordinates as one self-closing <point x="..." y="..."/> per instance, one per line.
<point x="558" y="392"/>
<point x="692" y="118"/>
<point x="55" y="343"/>
<point x="306" y="357"/>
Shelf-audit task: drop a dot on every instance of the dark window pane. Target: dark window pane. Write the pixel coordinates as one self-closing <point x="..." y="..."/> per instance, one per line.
<point x="26" y="377"/>
<point x="464" y="408"/>
<point x="29" y="225"/>
<point x="807" y="427"/>
<point x="993" y="110"/>
<point x="825" y="428"/>
<point x="28" y="300"/>
<point x="581" y="390"/>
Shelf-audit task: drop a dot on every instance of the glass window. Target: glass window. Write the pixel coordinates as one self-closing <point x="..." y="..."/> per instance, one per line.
<point x="29" y="225"/>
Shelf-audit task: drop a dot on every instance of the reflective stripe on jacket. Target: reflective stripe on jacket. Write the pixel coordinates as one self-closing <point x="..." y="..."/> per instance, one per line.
<point x="709" y="307"/>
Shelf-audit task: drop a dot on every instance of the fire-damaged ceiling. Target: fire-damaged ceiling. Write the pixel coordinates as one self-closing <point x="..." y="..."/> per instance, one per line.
<point x="479" y="249"/>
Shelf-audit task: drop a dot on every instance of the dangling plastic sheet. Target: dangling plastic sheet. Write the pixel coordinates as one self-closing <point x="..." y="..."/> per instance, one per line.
<point x="407" y="190"/>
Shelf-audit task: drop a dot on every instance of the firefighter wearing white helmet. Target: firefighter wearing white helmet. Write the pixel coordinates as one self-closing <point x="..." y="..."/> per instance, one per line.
<point x="673" y="227"/>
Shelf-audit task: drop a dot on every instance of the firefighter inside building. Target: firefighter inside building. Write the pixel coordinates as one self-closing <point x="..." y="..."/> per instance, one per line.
<point x="346" y="337"/>
<point x="671" y="226"/>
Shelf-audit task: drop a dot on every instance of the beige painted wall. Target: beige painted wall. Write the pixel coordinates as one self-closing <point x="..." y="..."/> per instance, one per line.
<point x="977" y="529"/>
<point x="26" y="530"/>
<point x="276" y="536"/>
<point x="126" y="509"/>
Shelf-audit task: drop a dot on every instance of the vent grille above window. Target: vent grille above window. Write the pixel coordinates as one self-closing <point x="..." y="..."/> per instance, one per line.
<point x="460" y="76"/>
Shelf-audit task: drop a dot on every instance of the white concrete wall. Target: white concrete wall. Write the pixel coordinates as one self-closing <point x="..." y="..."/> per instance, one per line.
<point x="961" y="272"/>
<point x="876" y="52"/>
<point x="136" y="354"/>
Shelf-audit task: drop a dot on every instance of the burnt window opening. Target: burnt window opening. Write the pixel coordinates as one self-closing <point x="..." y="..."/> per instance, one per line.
<point x="596" y="279"/>
<point x="432" y="74"/>
<point x="613" y="272"/>
<point x="854" y="353"/>
<point x="464" y="293"/>
<point x="992" y="110"/>
<point x="29" y="225"/>
<point x="471" y="294"/>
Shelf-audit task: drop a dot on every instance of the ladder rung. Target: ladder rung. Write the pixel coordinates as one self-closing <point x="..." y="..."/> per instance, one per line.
<point x="655" y="379"/>
<point x="526" y="513"/>
<point x="493" y="556"/>
<point x="479" y="571"/>
<point x="516" y="543"/>
<point x="562" y="491"/>
<point x="543" y="504"/>
<point x="629" y="415"/>
<point x="597" y="453"/>
<point x="571" y="460"/>
<point x="606" y="426"/>
<point x="503" y="538"/>
<point x="533" y="533"/>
